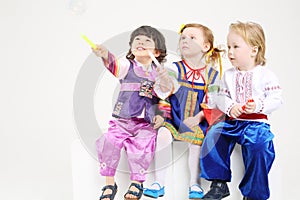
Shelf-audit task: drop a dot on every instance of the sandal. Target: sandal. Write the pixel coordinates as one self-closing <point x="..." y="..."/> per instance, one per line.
<point x="137" y="195"/>
<point x="113" y="188"/>
<point x="193" y="194"/>
<point x="155" y="193"/>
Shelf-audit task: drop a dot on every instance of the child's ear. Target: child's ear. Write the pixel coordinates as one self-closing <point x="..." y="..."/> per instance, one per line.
<point x="157" y="53"/>
<point x="254" y="51"/>
<point x="206" y="47"/>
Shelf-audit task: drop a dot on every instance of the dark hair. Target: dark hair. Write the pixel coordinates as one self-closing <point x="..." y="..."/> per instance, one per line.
<point x="155" y="35"/>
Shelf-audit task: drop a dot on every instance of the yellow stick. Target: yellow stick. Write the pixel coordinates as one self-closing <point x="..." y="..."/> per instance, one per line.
<point x="88" y="41"/>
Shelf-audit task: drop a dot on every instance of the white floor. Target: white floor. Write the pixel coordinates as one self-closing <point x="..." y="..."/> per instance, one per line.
<point x="87" y="182"/>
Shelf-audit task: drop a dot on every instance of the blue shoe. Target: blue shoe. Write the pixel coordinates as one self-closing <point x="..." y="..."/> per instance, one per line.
<point x="196" y="194"/>
<point x="155" y="193"/>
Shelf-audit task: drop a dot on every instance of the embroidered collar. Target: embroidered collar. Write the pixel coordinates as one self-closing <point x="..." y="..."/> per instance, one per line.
<point x="194" y="73"/>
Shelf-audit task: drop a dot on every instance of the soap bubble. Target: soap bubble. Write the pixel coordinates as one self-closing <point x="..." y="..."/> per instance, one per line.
<point x="77" y="7"/>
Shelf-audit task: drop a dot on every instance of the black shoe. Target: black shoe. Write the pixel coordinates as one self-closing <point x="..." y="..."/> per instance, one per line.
<point x="247" y="198"/>
<point x="218" y="190"/>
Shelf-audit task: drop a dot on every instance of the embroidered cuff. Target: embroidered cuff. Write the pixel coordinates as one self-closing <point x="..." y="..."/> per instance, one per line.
<point x="160" y="93"/>
<point x="229" y="109"/>
<point x="259" y="105"/>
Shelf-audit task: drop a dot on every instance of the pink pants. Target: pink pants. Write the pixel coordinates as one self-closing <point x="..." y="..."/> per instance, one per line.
<point x="138" y="139"/>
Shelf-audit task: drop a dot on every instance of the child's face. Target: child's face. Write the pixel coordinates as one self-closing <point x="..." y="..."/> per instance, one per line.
<point x="192" y="42"/>
<point x="240" y="53"/>
<point x="140" y="46"/>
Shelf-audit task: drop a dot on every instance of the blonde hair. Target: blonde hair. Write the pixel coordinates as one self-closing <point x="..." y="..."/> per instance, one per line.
<point x="253" y="35"/>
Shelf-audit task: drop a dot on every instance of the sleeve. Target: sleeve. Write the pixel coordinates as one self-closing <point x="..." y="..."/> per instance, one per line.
<point x="118" y="67"/>
<point x="164" y="108"/>
<point x="224" y="101"/>
<point x="213" y="87"/>
<point x="175" y="85"/>
<point x="272" y="95"/>
<point x="211" y="94"/>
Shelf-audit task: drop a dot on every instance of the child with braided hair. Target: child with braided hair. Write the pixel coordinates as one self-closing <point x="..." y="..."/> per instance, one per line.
<point x="191" y="77"/>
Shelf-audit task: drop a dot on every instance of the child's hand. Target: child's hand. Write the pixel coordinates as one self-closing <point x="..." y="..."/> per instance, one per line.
<point x="165" y="81"/>
<point x="236" y="111"/>
<point x="101" y="51"/>
<point x="191" y="121"/>
<point x="158" y="121"/>
<point x="162" y="73"/>
<point x="249" y="107"/>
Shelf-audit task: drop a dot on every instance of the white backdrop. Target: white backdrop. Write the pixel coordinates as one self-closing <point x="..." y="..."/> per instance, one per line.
<point x="42" y="53"/>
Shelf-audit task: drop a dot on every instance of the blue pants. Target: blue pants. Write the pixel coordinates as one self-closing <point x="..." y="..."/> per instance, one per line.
<point x="257" y="150"/>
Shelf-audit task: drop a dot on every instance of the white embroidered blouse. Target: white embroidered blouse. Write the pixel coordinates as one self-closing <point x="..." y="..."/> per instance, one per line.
<point x="259" y="84"/>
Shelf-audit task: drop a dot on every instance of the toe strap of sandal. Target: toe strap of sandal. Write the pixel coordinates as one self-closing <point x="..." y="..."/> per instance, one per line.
<point x="156" y="183"/>
<point x="111" y="196"/>
<point x="197" y="191"/>
<point x="153" y="190"/>
<point x="137" y="194"/>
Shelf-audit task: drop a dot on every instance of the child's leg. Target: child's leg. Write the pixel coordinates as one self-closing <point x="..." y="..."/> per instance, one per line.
<point x="215" y="157"/>
<point x="140" y="148"/>
<point x="163" y="159"/>
<point x="110" y="180"/>
<point x="215" y="152"/>
<point x="258" y="160"/>
<point x="195" y="190"/>
<point x="163" y="156"/>
<point x="194" y="166"/>
<point x="110" y="190"/>
<point x="109" y="148"/>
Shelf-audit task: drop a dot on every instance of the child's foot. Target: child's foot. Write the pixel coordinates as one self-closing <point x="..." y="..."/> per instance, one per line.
<point x="109" y="192"/>
<point x="155" y="191"/>
<point x="134" y="192"/>
<point x="247" y="198"/>
<point x="195" y="192"/>
<point x="218" y="190"/>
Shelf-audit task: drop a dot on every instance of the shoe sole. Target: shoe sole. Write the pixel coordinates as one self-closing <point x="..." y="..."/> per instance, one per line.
<point x="224" y="196"/>
<point x="153" y="196"/>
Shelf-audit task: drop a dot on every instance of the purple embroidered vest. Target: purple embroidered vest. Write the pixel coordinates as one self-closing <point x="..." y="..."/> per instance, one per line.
<point x="136" y="95"/>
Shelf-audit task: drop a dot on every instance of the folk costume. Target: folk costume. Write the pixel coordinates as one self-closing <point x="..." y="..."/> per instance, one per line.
<point x="129" y="129"/>
<point x="186" y="102"/>
<point x="251" y="131"/>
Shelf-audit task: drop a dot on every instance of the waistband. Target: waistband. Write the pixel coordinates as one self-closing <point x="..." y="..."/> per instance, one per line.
<point x="252" y="116"/>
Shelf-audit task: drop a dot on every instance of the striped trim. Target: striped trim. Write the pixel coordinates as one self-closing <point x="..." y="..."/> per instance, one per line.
<point x="213" y="73"/>
<point x="187" y="105"/>
<point x="116" y="71"/>
<point x="130" y="87"/>
<point x="195" y="137"/>
<point x="182" y="70"/>
<point x="190" y="104"/>
<point x="188" y="85"/>
<point x="193" y="103"/>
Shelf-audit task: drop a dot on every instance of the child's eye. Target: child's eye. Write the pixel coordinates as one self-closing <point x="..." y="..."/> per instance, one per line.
<point x="192" y="37"/>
